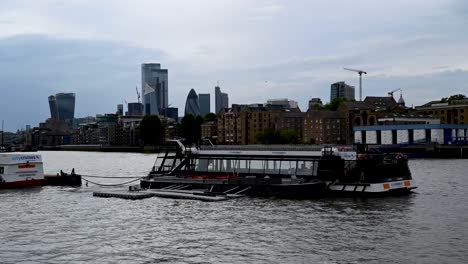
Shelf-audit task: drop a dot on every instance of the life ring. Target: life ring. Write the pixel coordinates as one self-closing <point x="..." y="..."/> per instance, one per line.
<point x="342" y="149"/>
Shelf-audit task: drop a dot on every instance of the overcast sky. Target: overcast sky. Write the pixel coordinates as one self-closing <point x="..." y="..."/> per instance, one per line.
<point x="256" y="49"/>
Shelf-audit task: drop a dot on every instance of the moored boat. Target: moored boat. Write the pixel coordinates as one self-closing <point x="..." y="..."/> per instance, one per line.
<point x="365" y="173"/>
<point x="19" y="170"/>
<point x="282" y="171"/>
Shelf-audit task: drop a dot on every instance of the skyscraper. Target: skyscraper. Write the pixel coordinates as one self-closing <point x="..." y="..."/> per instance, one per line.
<point x="154" y="88"/>
<point x="191" y="105"/>
<point x="62" y="106"/>
<point x="221" y="99"/>
<point x="135" y="109"/>
<point x="120" y="109"/>
<point x="341" y="90"/>
<point x="225" y="101"/>
<point x="53" y="107"/>
<point x="204" y="101"/>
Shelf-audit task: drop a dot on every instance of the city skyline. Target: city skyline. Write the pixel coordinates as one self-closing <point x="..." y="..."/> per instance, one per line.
<point x="414" y="46"/>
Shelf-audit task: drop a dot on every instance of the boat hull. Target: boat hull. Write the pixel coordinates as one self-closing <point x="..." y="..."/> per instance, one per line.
<point x="250" y="187"/>
<point x="388" y="188"/>
<point x="23" y="184"/>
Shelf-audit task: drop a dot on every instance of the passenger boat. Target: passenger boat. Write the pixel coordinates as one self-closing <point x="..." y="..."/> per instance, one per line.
<point x="21" y="170"/>
<point x="348" y="172"/>
<point x="282" y="171"/>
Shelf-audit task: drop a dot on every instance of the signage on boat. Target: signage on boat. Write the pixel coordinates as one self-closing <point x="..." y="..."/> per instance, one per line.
<point x="26" y="166"/>
<point x="26" y="158"/>
<point x="396" y="184"/>
<point x="9" y="158"/>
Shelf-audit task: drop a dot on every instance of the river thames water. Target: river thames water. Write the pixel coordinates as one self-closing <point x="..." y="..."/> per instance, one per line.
<point x="69" y="225"/>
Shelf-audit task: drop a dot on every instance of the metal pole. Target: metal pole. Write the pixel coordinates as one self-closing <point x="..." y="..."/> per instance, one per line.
<point x="360" y="86"/>
<point x="2" y="134"/>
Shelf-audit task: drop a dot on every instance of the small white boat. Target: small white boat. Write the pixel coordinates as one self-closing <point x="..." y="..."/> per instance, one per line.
<point x="21" y="170"/>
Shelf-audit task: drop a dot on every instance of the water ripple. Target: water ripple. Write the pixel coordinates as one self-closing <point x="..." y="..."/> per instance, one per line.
<point x="67" y="225"/>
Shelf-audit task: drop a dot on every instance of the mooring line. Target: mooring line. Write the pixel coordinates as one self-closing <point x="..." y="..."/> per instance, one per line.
<point x="116" y="184"/>
<point x="112" y="177"/>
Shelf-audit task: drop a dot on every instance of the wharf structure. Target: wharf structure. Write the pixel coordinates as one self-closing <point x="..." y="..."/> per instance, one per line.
<point x="433" y="122"/>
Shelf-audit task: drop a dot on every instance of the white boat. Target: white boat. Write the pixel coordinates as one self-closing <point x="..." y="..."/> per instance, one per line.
<point x="21" y="170"/>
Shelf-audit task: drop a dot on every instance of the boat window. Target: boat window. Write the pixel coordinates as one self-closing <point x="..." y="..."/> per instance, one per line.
<point x="271" y="166"/>
<point x="159" y="161"/>
<point x="288" y="167"/>
<point x="212" y="165"/>
<point x="226" y="165"/>
<point x="201" y="165"/>
<point x="305" y="168"/>
<point x="256" y="166"/>
<point x="2" y="170"/>
<point x="244" y="166"/>
<point x="176" y="163"/>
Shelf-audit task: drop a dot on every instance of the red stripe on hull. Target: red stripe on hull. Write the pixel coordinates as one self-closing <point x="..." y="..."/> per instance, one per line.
<point x="22" y="184"/>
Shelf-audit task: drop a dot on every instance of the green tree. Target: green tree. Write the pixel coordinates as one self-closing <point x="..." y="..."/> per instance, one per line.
<point x="452" y="98"/>
<point x="151" y="130"/>
<point x="272" y="136"/>
<point x="334" y="104"/>
<point x="190" y="128"/>
<point x="210" y="117"/>
<point x="289" y="137"/>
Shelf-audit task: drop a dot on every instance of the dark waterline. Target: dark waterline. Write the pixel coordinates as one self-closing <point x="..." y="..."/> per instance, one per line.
<point x="67" y="225"/>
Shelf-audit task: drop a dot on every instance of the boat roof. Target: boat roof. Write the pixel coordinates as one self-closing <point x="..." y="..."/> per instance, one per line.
<point x="252" y="154"/>
<point x="17" y="158"/>
<point x="284" y="152"/>
<point x="265" y="151"/>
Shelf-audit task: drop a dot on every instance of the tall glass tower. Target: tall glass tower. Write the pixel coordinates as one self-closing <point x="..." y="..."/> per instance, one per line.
<point x="62" y="106"/>
<point x="154" y="88"/>
<point x="53" y="107"/>
<point x="191" y="105"/>
<point x="204" y="101"/>
<point x="221" y="100"/>
<point x="65" y="105"/>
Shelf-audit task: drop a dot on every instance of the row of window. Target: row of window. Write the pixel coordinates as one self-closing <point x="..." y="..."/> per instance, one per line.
<point x="436" y="112"/>
<point x="292" y="167"/>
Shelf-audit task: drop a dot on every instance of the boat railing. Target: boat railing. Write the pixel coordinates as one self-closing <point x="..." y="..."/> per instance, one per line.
<point x="265" y="147"/>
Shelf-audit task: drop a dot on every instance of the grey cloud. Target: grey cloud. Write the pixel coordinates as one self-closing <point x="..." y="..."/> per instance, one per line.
<point x="102" y="74"/>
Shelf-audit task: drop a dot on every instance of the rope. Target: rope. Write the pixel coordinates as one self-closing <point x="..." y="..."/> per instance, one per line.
<point x="117" y="184"/>
<point x="112" y="177"/>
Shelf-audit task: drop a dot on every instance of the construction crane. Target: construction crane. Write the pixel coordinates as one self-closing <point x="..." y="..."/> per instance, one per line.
<point x="138" y="93"/>
<point x="360" y="80"/>
<point x="391" y="93"/>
